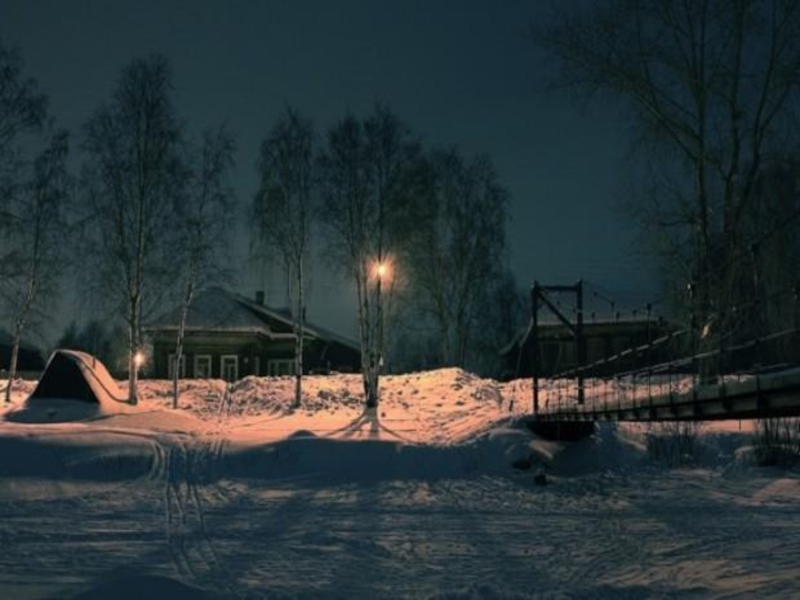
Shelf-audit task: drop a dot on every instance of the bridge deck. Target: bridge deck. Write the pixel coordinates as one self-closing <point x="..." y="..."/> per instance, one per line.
<point x="759" y="396"/>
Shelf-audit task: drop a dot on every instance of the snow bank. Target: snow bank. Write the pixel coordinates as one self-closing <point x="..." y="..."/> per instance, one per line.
<point x="69" y="453"/>
<point x="21" y="389"/>
<point x="429" y="425"/>
<point x="328" y="459"/>
<point x="608" y="449"/>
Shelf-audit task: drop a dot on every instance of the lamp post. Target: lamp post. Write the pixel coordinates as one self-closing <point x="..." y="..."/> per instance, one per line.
<point x="138" y="361"/>
<point x="381" y="272"/>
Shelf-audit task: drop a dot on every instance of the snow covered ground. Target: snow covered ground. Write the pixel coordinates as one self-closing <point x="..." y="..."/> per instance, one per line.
<point x="235" y="496"/>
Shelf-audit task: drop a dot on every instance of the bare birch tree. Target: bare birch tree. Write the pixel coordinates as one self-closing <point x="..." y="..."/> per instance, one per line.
<point x="23" y="110"/>
<point x="204" y="217"/>
<point x="30" y="198"/>
<point x="35" y="241"/>
<point x="133" y="177"/>
<point x="459" y="257"/>
<point x="283" y="214"/>
<point x="368" y="174"/>
<point x="712" y="84"/>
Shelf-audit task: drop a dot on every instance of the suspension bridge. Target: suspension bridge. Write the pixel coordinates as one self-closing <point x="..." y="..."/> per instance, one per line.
<point x="744" y="364"/>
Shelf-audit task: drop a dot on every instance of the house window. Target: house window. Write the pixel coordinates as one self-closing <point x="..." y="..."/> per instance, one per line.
<point x="181" y="370"/>
<point x="229" y="367"/>
<point x="202" y="366"/>
<point x="278" y="367"/>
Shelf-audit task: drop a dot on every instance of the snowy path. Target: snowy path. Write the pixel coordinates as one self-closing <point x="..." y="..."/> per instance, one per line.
<point x="688" y="532"/>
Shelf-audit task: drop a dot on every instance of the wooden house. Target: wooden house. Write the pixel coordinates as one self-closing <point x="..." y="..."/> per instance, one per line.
<point x="229" y="337"/>
<point x="621" y="342"/>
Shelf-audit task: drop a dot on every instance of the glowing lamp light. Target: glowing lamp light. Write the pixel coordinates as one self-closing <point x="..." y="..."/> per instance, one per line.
<point x="138" y="359"/>
<point x="381" y="270"/>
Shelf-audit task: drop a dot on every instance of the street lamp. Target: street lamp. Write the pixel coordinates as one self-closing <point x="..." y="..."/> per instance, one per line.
<point x="382" y="270"/>
<point x="138" y="361"/>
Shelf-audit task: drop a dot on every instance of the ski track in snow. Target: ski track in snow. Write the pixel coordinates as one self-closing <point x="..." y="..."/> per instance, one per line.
<point x="684" y="532"/>
<point x="188" y="541"/>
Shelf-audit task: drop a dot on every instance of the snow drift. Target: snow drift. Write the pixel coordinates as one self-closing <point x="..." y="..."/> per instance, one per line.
<point x="74" y="386"/>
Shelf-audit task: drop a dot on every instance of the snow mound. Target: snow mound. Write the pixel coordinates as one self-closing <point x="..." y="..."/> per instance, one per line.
<point x="441" y="407"/>
<point x="69" y="454"/>
<point x="198" y="396"/>
<point x="306" y="455"/>
<point x="608" y="449"/>
<point x="75" y="386"/>
<point x="61" y="410"/>
<point x="274" y="395"/>
<point x="20" y="390"/>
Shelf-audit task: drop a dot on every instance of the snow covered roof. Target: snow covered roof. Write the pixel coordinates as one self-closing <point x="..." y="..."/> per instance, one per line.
<point x="284" y="316"/>
<point x="217" y="309"/>
<point x="213" y="309"/>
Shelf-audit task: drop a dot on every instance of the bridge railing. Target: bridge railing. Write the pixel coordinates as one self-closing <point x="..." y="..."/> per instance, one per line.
<point x="744" y="343"/>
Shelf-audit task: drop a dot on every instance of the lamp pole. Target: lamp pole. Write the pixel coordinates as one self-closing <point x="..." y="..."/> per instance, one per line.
<point x="138" y="361"/>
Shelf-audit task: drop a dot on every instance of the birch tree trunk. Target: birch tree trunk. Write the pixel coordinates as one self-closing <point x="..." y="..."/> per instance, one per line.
<point x="187" y="300"/>
<point x="22" y="316"/>
<point x="12" y="367"/>
<point x="299" y="334"/>
<point x="133" y="345"/>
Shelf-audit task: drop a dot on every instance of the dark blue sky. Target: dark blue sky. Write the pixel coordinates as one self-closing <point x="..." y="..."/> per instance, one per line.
<point x="458" y="72"/>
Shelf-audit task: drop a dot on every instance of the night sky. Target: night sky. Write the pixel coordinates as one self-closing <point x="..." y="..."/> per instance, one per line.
<point x="458" y="72"/>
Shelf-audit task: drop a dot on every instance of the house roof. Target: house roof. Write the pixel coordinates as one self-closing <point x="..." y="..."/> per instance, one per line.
<point x="283" y="315"/>
<point x="592" y="326"/>
<point x="217" y="309"/>
<point x="214" y="309"/>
